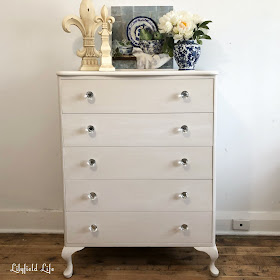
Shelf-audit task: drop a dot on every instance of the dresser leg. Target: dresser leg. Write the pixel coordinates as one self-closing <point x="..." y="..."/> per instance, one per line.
<point x="66" y="254"/>
<point x="213" y="254"/>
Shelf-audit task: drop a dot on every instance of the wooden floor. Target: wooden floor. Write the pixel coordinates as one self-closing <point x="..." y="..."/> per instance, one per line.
<point x="241" y="258"/>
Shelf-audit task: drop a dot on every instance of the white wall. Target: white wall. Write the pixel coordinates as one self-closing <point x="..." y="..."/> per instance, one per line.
<point x="244" y="50"/>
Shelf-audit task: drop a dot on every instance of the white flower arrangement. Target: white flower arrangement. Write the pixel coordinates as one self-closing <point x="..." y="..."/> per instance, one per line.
<point x="184" y="25"/>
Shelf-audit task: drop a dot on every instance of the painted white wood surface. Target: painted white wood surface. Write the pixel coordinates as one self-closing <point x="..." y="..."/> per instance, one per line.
<point x="138" y="195"/>
<point x="137" y="178"/>
<point x="138" y="129"/>
<point x="212" y="252"/>
<point x="138" y="163"/>
<point x="138" y="228"/>
<point x="138" y="72"/>
<point x="66" y="254"/>
<point x="137" y="95"/>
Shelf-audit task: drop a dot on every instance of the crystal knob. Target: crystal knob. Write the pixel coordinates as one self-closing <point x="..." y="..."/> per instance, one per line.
<point x="183" y="162"/>
<point x="184" y="227"/>
<point x="184" y="129"/>
<point x="91" y="162"/>
<point x="93" y="228"/>
<point x="90" y="129"/>
<point x="89" y="95"/>
<point x="92" y="196"/>
<point x="184" y="195"/>
<point x="184" y="94"/>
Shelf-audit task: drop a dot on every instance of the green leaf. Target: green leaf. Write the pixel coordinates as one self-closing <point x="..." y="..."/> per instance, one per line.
<point x="170" y="52"/>
<point x="157" y="35"/>
<point x="205" y="23"/>
<point x="198" y="32"/>
<point x="145" y="34"/>
<point x="199" y="41"/>
<point x="168" y="46"/>
<point x="207" y="37"/>
<point x="204" y="27"/>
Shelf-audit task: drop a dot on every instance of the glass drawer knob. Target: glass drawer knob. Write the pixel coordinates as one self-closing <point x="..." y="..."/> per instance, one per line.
<point x="184" y="227"/>
<point x="92" y="196"/>
<point x="90" y="129"/>
<point x="183" y="162"/>
<point x="91" y="162"/>
<point x="184" y="195"/>
<point x="93" y="228"/>
<point x="184" y="94"/>
<point x="89" y="95"/>
<point x="184" y="129"/>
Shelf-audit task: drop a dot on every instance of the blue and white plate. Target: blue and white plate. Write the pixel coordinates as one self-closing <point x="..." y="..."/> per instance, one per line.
<point x="134" y="27"/>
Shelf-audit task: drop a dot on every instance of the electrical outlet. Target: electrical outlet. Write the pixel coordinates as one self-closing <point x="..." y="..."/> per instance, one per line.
<point x="241" y="224"/>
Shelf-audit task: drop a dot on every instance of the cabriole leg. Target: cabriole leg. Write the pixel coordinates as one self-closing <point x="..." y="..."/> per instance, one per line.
<point x="66" y="254"/>
<point x="213" y="254"/>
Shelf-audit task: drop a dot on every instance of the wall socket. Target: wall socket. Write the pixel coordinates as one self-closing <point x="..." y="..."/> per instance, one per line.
<point x="241" y="224"/>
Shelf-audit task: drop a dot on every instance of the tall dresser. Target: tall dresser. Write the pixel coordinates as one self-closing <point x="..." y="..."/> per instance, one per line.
<point x="138" y="160"/>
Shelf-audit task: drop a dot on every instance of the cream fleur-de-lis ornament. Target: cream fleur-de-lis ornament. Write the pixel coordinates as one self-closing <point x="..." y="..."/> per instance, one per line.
<point x="88" y="26"/>
<point x="107" y="22"/>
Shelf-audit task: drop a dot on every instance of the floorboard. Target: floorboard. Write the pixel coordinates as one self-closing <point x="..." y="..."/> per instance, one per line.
<point x="241" y="258"/>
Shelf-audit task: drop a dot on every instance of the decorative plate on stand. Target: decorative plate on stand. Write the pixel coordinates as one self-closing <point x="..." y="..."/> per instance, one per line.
<point x="134" y="27"/>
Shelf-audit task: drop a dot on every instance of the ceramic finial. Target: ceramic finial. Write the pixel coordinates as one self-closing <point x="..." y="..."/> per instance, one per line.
<point x="107" y="22"/>
<point x="88" y="26"/>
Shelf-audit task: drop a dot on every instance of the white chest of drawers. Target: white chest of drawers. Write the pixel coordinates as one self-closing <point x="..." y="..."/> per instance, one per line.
<point x="138" y="160"/>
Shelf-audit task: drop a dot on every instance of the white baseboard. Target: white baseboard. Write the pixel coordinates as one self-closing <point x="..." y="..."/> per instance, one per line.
<point x="261" y="223"/>
<point x="31" y="221"/>
<point x="51" y="221"/>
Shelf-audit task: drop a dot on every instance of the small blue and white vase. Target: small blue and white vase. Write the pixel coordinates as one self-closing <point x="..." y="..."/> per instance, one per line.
<point x="151" y="46"/>
<point x="186" y="54"/>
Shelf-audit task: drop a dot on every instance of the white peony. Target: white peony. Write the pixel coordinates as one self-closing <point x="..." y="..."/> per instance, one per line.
<point x="166" y="27"/>
<point x="185" y="14"/>
<point x="174" y="19"/>
<point x="197" y="19"/>
<point x="188" y="35"/>
<point x="178" y="36"/>
<point x="185" y="27"/>
<point x="175" y="30"/>
<point x="180" y="24"/>
<point x="167" y="17"/>
<point x="165" y="22"/>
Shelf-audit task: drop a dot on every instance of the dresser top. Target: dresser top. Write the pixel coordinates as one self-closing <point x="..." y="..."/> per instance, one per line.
<point x="136" y="72"/>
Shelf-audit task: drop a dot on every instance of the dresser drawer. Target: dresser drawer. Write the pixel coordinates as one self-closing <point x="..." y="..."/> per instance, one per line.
<point x="137" y="95"/>
<point x="189" y="129"/>
<point x="139" y="228"/>
<point x="138" y="163"/>
<point x="138" y="195"/>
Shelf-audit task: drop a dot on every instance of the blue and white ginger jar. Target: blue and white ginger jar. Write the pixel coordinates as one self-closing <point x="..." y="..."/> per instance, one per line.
<point x="186" y="54"/>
